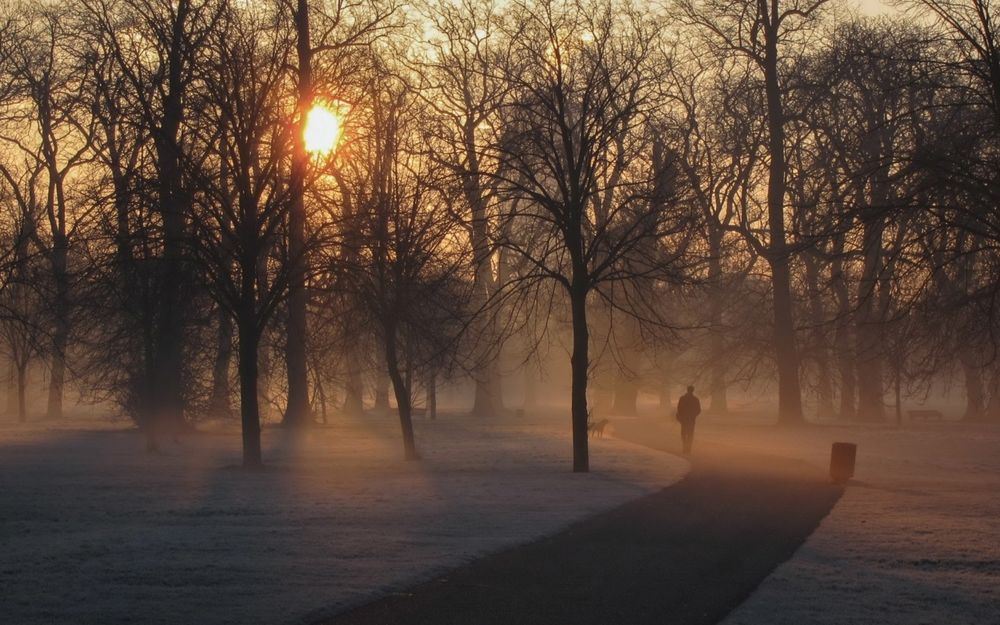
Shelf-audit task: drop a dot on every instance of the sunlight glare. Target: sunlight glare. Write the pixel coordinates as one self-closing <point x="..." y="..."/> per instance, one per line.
<point x="323" y="130"/>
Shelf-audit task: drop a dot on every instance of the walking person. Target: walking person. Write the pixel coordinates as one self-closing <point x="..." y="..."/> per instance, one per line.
<point x="688" y="409"/>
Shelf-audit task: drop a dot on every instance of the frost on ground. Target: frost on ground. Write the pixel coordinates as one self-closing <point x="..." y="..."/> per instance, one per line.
<point x="914" y="540"/>
<point x="94" y="530"/>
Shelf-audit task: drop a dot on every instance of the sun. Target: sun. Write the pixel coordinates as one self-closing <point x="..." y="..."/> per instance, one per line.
<point x="323" y="129"/>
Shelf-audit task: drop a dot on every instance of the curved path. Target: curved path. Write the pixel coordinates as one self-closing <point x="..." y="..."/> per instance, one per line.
<point x="687" y="554"/>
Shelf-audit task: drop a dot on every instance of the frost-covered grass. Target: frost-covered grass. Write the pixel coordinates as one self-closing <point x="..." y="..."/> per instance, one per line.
<point x="95" y="530"/>
<point x="914" y="540"/>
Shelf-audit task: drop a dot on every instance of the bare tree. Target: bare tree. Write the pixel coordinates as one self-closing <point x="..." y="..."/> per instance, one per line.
<point x="243" y="205"/>
<point x="20" y="307"/>
<point x="155" y="46"/>
<point x="872" y="106"/>
<point x="582" y="171"/>
<point x="340" y="26"/>
<point x="759" y="31"/>
<point x="459" y="81"/>
<point x="719" y="141"/>
<point x="973" y="26"/>
<point x="50" y="129"/>
<point x="409" y="265"/>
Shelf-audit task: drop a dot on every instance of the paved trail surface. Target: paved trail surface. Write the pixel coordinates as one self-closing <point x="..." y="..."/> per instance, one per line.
<point x="685" y="555"/>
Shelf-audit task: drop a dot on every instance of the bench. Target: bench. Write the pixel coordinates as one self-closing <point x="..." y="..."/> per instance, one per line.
<point x="925" y="415"/>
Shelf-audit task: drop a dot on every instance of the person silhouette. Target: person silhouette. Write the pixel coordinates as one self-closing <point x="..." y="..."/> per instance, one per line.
<point x="688" y="409"/>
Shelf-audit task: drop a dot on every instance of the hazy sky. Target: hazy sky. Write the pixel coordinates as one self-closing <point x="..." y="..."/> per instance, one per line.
<point x="873" y="7"/>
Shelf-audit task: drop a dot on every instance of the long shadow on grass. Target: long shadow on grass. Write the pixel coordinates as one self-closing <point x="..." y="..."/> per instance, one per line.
<point x="688" y="554"/>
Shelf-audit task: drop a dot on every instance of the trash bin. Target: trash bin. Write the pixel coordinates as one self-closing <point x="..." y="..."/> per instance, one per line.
<point x="842" y="458"/>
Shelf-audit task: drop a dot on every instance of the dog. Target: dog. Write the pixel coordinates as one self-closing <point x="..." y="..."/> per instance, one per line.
<point x="596" y="428"/>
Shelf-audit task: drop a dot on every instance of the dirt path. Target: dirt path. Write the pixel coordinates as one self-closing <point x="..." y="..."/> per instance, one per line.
<point x="688" y="554"/>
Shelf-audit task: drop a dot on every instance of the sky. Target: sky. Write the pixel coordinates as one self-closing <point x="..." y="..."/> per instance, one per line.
<point x="874" y="7"/>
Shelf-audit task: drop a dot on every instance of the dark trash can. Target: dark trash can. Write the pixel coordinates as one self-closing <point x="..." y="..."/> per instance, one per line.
<point x="842" y="458"/>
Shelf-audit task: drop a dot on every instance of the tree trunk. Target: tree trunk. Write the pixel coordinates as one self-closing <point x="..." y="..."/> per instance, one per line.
<point x="167" y="392"/>
<point x="249" y="403"/>
<point x="845" y="368"/>
<point x="56" y="207"/>
<point x="824" y="383"/>
<point x="789" y="392"/>
<point x="408" y="377"/>
<point x="432" y="395"/>
<point x="786" y="357"/>
<point x="868" y="329"/>
<point x="402" y="392"/>
<point x="219" y="402"/>
<point x="898" y="387"/>
<point x="381" y="393"/>
<point x="354" y="390"/>
<point x="871" y="404"/>
<point x="57" y="375"/>
<point x="718" y="387"/>
<point x="320" y="397"/>
<point x="579" y="362"/>
<point x="60" y="337"/>
<point x="717" y="340"/>
<point x="297" y="410"/>
<point x="625" y="384"/>
<point x="842" y="332"/>
<point x="22" y="385"/>
<point x="488" y="400"/>
<point x="975" y="394"/>
<point x="11" y="389"/>
<point x="148" y="415"/>
<point x="666" y="379"/>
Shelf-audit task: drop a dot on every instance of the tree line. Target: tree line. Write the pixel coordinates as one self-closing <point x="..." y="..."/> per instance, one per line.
<point x="775" y="190"/>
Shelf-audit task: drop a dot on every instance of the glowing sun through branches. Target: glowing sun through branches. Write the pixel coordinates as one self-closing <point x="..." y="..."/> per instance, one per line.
<point x="323" y="129"/>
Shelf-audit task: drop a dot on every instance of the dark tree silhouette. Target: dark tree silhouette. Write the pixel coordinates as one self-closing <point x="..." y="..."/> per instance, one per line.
<point x="759" y="31"/>
<point x="459" y="83"/>
<point x="243" y="202"/>
<point x="408" y="264"/>
<point x="583" y="173"/>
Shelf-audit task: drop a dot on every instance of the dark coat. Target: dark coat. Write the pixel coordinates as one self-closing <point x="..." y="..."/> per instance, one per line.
<point x="688" y="407"/>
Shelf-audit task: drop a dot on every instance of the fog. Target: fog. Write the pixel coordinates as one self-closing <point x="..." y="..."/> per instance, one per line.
<point x="528" y="311"/>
